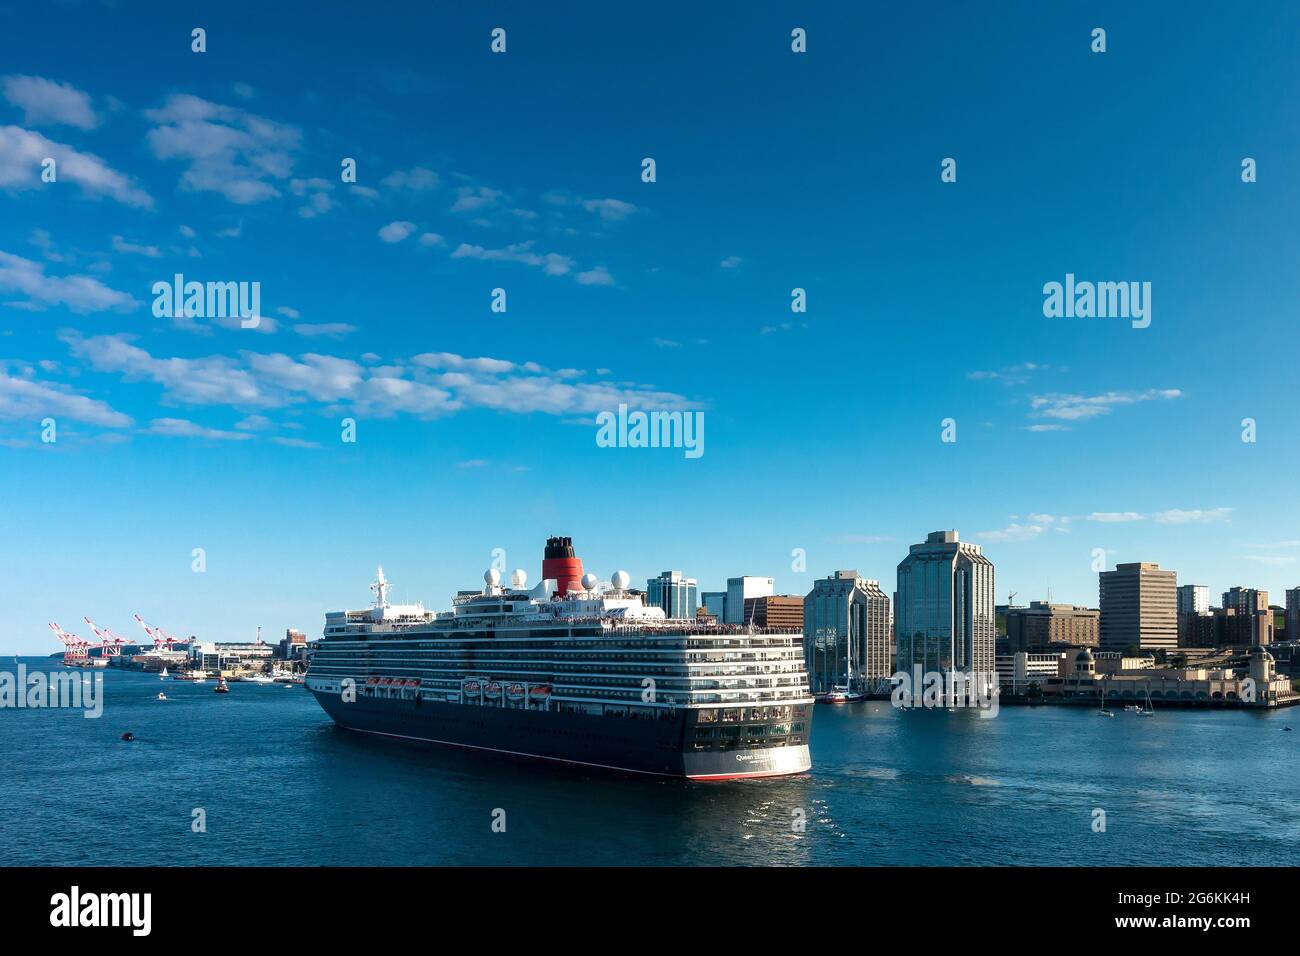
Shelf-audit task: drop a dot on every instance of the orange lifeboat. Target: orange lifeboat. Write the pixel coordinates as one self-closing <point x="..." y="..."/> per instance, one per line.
<point x="494" y="689"/>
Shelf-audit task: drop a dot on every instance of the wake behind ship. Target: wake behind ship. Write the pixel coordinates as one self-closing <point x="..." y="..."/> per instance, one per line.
<point x="572" y="672"/>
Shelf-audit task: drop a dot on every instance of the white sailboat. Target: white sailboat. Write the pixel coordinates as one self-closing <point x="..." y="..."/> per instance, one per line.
<point x="1146" y="711"/>
<point x="1103" y="711"/>
<point x="162" y="674"/>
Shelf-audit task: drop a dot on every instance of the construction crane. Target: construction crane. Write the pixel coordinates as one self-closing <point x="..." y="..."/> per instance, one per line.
<point x="110" y="644"/>
<point x="76" y="646"/>
<point x="161" y="639"/>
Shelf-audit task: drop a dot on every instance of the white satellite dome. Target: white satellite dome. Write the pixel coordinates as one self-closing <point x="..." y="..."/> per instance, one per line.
<point x="589" y="581"/>
<point x="519" y="577"/>
<point x="492" y="577"/>
<point x="620" y="580"/>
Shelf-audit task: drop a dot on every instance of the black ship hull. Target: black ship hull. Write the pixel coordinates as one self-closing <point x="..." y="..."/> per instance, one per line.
<point x="657" y="747"/>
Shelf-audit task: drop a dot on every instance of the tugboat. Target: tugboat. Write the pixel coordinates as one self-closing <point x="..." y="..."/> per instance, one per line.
<point x="222" y="687"/>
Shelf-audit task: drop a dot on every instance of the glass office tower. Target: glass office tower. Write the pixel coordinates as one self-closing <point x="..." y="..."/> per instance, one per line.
<point x="944" y="616"/>
<point x="678" y="596"/>
<point x="846" y="634"/>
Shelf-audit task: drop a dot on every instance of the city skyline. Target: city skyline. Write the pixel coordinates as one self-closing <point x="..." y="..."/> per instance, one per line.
<point x="476" y="430"/>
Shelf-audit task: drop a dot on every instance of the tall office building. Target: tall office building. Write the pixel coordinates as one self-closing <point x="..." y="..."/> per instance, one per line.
<point x="679" y="596"/>
<point x="944" y="616"/>
<point x="1245" y="600"/>
<point x="716" y="602"/>
<point x="1193" y="599"/>
<point x="1139" y="607"/>
<point x="740" y="590"/>
<point x="846" y="633"/>
<point x="1293" y="614"/>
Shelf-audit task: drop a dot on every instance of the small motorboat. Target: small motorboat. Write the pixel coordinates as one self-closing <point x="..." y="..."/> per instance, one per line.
<point x="842" y="695"/>
<point x="222" y="687"/>
<point x="128" y="736"/>
<point x="162" y="696"/>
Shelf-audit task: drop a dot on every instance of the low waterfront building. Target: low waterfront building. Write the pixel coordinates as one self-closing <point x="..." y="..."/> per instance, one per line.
<point x="1084" y="681"/>
<point x="1019" y="671"/>
<point x="1043" y="625"/>
<point x="216" y="657"/>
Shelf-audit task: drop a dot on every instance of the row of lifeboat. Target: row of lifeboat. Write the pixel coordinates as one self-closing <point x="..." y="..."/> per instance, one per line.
<point x="493" y="689"/>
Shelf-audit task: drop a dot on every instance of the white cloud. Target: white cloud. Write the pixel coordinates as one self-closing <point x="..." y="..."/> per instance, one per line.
<point x="132" y="248"/>
<point x="609" y="210"/>
<point x="731" y="262"/>
<point x="1178" y="516"/>
<point x="553" y="264"/>
<point x="396" y="231"/>
<point x="429" y="386"/>
<point x="432" y="239"/>
<point x="28" y="400"/>
<point x="1078" y="407"/>
<point x="21" y="154"/>
<point x="228" y="150"/>
<point x="47" y="102"/>
<point x="597" y="276"/>
<point x="1025" y="529"/>
<point x="1171" y="516"/>
<point x="475" y="198"/>
<point x="79" y="293"/>
<point x="329" y="329"/>
<point x="417" y="179"/>
<point x="183" y="428"/>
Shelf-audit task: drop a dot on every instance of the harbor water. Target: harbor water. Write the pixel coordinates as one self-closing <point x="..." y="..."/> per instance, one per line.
<point x="274" y="782"/>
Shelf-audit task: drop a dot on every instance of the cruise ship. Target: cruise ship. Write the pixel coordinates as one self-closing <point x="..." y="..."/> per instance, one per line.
<point x="570" y="671"/>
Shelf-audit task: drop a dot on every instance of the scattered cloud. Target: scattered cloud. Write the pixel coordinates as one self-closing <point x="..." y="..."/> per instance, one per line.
<point x="396" y="231"/>
<point x="553" y="264"/>
<point x="1073" y="407"/>
<point x="416" y="179"/>
<point x="183" y="428"/>
<point x="21" y="155"/>
<point x="326" y="329"/>
<point x="731" y="262"/>
<point x="430" y="385"/>
<point x="597" y="276"/>
<point x="46" y="102"/>
<point x="227" y="150"/>
<point x="132" y="248"/>
<point x="26" y="399"/>
<point x="79" y="293"/>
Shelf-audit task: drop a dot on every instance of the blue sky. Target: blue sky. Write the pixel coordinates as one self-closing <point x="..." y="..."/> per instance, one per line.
<point x="475" y="430"/>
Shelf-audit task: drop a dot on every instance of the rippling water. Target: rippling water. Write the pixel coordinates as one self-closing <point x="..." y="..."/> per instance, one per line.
<point x="281" y="785"/>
